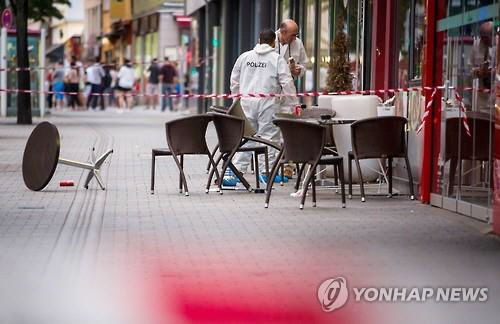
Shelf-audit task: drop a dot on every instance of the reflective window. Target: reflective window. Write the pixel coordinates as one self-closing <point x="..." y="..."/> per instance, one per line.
<point x="324" y="42"/>
<point x="308" y="39"/>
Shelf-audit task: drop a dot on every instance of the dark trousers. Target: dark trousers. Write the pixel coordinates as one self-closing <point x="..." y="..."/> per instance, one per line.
<point x="95" y="89"/>
<point x="73" y="98"/>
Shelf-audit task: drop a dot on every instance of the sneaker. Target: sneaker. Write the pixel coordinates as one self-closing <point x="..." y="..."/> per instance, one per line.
<point x="230" y="179"/>
<point x="263" y="178"/>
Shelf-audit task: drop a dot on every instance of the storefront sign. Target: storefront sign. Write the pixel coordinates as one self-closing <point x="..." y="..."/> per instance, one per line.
<point x="7" y="18"/>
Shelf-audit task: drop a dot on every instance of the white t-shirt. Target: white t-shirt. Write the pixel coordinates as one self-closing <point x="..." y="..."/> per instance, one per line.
<point x="126" y="77"/>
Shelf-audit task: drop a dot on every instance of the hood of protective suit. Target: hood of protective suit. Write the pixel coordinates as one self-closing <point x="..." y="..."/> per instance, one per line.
<point x="263" y="49"/>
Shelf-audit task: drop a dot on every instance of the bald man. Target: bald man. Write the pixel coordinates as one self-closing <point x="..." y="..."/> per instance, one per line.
<point x="289" y="45"/>
<point x="481" y="60"/>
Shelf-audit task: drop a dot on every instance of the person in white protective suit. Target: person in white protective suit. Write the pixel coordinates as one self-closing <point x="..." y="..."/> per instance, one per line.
<point x="261" y="70"/>
<point x="288" y="46"/>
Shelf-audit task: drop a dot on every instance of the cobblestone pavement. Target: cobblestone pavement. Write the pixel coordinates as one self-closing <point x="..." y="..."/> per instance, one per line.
<point x="124" y="255"/>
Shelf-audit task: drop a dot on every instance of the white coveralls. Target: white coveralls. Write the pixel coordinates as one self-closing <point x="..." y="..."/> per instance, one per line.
<point x="261" y="70"/>
<point x="295" y="49"/>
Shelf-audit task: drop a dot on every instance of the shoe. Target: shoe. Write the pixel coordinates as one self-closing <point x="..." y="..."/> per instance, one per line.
<point x="230" y="179"/>
<point x="263" y="179"/>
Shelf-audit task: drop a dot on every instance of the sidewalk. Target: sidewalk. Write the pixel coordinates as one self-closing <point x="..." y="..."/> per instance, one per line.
<point x="224" y="258"/>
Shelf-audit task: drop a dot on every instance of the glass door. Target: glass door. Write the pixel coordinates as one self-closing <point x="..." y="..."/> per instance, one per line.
<point x="464" y="179"/>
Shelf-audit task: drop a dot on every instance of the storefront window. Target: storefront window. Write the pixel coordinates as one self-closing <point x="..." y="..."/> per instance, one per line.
<point x="403" y="43"/>
<point x="285" y="10"/>
<point x="324" y="42"/>
<point x="418" y="43"/>
<point x="465" y="161"/>
<point x="308" y="39"/>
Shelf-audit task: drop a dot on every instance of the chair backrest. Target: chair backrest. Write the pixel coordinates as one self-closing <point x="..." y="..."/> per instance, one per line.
<point x="303" y="142"/>
<point x="229" y="131"/>
<point x="379" y="137"/>
<point x="481" y="128"/>
<point x="236" y="110"/>
<point x="187" y="135"/>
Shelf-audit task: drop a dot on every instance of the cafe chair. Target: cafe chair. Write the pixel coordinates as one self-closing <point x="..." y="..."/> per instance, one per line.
<point x="185" y="136"/>
<point x="379" y="137"/>
<point x="461" y="146"/>
<point x="249" y="133"/>
<point x="303" y="142"/>
<point x="230" y="131"/>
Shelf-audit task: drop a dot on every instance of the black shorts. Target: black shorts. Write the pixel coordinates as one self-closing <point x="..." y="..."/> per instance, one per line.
<point x="123" y="89"/>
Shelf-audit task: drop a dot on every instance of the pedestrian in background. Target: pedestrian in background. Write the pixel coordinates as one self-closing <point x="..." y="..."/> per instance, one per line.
<point x="49" y="79"/>
<point x="168" y="78"/>
<point x="152" y="89"/>
<point x="95" y="74"/>
<point x="72" y="81"/>
<point x="58" y="87"/>
<point x="126" y="78"/>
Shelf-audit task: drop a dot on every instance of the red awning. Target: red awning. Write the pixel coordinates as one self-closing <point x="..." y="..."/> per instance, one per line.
<point x="183" y="21"/>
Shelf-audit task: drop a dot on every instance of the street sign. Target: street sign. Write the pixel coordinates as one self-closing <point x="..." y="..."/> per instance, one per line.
<point x="7" y="18"/>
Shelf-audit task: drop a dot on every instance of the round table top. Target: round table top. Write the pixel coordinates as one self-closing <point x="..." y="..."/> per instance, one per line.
<point x="41" y="155"/>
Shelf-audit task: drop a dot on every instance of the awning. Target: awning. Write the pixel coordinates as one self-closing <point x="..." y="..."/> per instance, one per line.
<point x="55" y="53"/>
<point x="183" y="21"/>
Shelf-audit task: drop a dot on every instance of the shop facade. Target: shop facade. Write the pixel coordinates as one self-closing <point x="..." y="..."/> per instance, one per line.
<point x="391" y="44"/>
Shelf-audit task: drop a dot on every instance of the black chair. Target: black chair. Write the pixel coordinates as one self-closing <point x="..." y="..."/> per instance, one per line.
<point x="303" y="142"/>
<point x="230" y="130"/>
<point x="379" y="137"/>
<point x="461" y="146"/>
<point x="249" y="134"/>
<point x="184" y="136"/>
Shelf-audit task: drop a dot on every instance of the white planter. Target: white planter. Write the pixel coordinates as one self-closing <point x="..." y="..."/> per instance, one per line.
<point x="352" y="107"/>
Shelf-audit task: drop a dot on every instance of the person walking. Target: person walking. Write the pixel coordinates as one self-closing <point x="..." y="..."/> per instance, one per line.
<point x="261" y="70"/>
<point x="95" y="73"/>
<point x="72" y="80"/>
<point x="49" y="80"/>
<point x="152" y="89"/>
<point x="168" y="78"/>
<point x="58" y="87"/>
<point x="126" y="78"/>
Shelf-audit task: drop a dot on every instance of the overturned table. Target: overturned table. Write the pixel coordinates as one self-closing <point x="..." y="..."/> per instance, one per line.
<point x="41" y="156"/>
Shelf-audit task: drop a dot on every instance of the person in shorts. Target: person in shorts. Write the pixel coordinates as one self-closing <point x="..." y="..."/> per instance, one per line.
<point x="126" y="78"/>
<point x="153" y="86"/>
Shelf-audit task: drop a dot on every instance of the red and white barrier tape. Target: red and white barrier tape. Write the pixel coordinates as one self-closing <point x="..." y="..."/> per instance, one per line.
<point x="427" y="112"/>
<point x="464" y="116"/>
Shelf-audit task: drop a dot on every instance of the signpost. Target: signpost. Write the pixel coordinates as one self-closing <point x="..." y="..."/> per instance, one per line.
<point x="7" y="18"/>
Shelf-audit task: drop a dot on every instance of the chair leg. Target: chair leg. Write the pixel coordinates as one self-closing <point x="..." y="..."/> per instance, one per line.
<point x="252" y="163"/>
<point x="361" y="186"/>
<point x="212" y="154"/>
<point x="389" y="175"/>
<point x="266" y="161"/>
<point x="183" y="177"/>
<point x="299" y="175"/>
<point x="256" y="169"/>
<point x="314" y="188"/>
<point x="410" y="178"/>
<point x="180" y="178"/>
<point x="349" y="170"/>
<point x="239" y="175"/>
<point x="214" y="170"/>
<point x="153" y="158"/>
<point x="306" y="183"/>
<point x="342" y="182"/>
<point x="282" y="173"/>
<point x="336" y="174"/>
<point x="274" y="170"/>
<point x="453" y="170"/>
